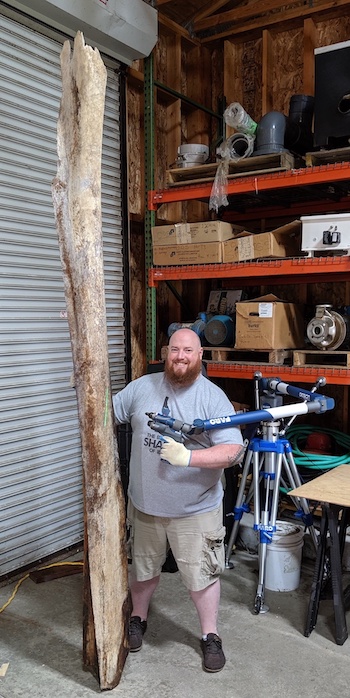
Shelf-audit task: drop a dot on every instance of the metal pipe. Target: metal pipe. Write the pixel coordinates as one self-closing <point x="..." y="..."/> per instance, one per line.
<point x="193" y="103"/>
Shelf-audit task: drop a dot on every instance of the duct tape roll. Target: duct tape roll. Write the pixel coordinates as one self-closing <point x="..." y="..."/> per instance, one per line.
<point x="240" y="145"/>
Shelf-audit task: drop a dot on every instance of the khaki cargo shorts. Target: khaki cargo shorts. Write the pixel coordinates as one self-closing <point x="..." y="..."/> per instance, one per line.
<point x="197" y="543"/>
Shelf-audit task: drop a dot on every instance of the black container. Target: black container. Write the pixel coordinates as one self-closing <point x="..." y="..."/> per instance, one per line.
<point x="332" y="96"/>
<point x="299" y="135"/>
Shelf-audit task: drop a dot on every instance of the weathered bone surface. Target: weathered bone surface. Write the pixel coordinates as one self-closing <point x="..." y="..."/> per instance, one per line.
<point x="76" y="192"/>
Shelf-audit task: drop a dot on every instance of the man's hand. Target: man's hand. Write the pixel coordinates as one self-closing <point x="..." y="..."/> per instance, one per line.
<point x="175" y="453"/>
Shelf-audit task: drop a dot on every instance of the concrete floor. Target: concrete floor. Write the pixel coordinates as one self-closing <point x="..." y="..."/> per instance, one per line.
<point x="267" y="655"/>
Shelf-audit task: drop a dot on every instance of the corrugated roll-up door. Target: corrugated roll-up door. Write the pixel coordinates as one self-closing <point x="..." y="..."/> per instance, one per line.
<point x="41" y="507"/>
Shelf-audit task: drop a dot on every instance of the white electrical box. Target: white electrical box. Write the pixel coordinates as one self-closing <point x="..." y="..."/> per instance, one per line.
<point x="328" y="234"/>
<point x="123" y="29"/>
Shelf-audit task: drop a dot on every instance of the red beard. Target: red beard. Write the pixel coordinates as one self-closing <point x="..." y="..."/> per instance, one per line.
<point x="185" y="378"/>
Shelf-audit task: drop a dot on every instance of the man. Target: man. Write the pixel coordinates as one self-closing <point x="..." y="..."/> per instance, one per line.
<point x="175" y="490"/>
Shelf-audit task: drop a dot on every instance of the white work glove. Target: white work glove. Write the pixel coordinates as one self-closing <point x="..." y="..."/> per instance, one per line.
<point x="175" y="453"/>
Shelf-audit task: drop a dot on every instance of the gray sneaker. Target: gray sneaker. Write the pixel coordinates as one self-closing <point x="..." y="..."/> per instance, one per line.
<point x="213" y="656"/>
<point x="137" y="629"/>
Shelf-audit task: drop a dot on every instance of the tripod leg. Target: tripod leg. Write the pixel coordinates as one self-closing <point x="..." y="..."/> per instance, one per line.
<point x="238" y="509"/>
<point x="294" y="481"/>
<point x="267" y="524"/>
<point x="276" y="490"/>
<point x="256" y="472"/>
<point x="259" y="605"/>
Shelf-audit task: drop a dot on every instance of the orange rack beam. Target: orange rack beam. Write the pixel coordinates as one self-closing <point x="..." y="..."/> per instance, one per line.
<point x="287" y="270"/>
<point x="302" y="374"/>
<point x="293" y="374"/>
<point x="320" y="174"/>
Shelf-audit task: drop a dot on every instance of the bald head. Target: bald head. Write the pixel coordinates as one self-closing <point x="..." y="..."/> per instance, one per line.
<point x="185" y="337"/>
<point x="183" y="363"/>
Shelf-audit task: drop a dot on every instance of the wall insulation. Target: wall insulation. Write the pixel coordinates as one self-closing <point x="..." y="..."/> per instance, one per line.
<point x="41" y="507"/>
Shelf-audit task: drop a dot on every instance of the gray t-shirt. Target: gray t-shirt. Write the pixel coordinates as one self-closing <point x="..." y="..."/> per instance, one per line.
<point x="155" y="486"/>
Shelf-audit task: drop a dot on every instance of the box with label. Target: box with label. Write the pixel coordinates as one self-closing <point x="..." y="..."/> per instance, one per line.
<point x="233" y="249"/>
<point x="223" y="301"/>
<point x="202" y="253"/>
<point x="187" y="233"/>
<point x="281" y="242"/>
<point x="269" y="323"/>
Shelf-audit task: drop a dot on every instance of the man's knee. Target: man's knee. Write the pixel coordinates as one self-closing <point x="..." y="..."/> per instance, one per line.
<point x="202" y="559"/>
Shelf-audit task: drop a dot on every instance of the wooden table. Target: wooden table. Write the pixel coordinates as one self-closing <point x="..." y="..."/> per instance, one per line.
<point x="332" y="490"/>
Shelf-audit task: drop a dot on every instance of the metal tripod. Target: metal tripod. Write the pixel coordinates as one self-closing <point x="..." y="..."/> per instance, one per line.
<point x="269" y="456"/>
<point x="270" y="461"/>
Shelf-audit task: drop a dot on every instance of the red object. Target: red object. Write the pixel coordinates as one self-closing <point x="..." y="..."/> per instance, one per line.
<point x="318" y="442"/>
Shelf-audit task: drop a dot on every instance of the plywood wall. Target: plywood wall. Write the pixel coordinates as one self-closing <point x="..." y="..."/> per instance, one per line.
<point x="251" y="78"/>
<point x="135" y="152"/>
<point x="333" y="31"/>
<point x="287" y="54"/>
<point x="243" y="65"/>
<point x="138" y="299"/>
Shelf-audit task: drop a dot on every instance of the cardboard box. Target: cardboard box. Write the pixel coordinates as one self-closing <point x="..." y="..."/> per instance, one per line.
<point x="269" y="323"/>
<point x="188" y="233"/>
<point x="223" y="301"/>
<point x="281" y="242"/>
<point x="232" y="249"/>
<point x="240" y="407"/>
<point x="202" y="253"/>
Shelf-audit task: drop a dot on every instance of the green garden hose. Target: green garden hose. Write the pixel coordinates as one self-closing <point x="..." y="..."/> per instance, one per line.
<point x="298" y="434"/>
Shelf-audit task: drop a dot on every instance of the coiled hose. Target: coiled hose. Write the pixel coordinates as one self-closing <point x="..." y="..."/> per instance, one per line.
<point x="312" y="461"/>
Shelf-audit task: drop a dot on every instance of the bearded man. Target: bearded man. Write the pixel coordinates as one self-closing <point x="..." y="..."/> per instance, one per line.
<point x="175" y="491"/>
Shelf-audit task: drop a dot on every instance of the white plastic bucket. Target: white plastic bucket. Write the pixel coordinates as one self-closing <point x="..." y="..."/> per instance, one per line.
<point x="283" y="559"/>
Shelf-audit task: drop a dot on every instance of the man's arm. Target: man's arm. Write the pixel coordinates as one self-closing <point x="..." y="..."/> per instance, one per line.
<point x="219" y="456"/>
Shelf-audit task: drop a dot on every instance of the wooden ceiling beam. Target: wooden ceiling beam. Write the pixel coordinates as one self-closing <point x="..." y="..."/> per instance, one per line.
<point x="258" y="7"/>
<point x="208" y="9"/>
<point x="281" y="18"/>
<point x="267" y="73"/>
<point x="310" y="43"/>
<point x="177" y="29"/>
